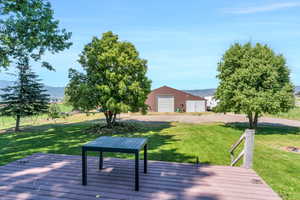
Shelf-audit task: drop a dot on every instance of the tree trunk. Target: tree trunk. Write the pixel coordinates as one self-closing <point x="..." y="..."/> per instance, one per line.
<point x="17" y="128"/>
<point x="253" y="120"/>
<point x="250" y="118"/>
<point x="109" y="119"/>
<point x="114" y="119"/>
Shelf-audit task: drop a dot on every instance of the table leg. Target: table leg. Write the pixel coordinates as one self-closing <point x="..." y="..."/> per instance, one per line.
<point x="145" y="159"/>
<point x="101" y="160"/>
<point x="84" y="167"/>
<point x="137" y="171"/>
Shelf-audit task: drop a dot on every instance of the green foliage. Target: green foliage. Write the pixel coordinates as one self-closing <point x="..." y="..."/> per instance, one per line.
<point x="28" y="30"/>
<point x="253" y="80"/>
<point x="120" y="127"/>
<point x="114" y="79"/>
<point x="54" y="111"/>
<point x="26" y="97"/>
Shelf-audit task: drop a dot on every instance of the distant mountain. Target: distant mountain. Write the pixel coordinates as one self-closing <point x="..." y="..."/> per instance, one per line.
<point x="54" y="92"/>
<point x="297" y="89"/>
<point x="202" y="93"/>
<point x="211" y="92"/>
<point x="58" y="92"/>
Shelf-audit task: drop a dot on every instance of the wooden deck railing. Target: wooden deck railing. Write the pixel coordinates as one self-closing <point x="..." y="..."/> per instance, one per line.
<point x="247" y="152"/>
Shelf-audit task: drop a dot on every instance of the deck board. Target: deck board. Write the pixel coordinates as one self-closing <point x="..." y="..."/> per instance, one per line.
<point x="58" y="177"/>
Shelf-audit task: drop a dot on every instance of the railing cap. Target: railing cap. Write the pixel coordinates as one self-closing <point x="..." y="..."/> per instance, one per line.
<point x="250" y="130"/>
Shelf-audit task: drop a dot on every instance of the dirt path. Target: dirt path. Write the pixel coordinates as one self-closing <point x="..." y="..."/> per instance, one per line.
<point x="208" y="118"/>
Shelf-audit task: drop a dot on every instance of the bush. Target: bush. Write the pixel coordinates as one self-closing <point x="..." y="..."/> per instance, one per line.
<point x="54" y="111"/>
<point x="119" y="127"/>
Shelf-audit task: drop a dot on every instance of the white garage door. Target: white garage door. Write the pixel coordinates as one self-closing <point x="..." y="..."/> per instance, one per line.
<point x="195" y="106"/>
<point x="165" y="104"/>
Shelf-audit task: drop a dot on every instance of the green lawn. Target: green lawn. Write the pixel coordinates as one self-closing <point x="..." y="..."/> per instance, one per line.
<point x="6" y="122"/>
<point x="170" y="142"/>
<point x="292" y="114"/>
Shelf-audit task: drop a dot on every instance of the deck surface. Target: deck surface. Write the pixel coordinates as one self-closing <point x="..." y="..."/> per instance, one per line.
<point x="58" y="177"/>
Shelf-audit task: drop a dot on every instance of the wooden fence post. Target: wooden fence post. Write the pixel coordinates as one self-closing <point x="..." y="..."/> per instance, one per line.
<point x="249" y="148"/>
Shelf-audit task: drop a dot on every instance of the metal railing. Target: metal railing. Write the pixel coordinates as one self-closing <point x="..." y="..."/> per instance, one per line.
<point x="247" y="152"/>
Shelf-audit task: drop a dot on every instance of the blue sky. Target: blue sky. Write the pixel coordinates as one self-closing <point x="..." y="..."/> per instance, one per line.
<point x="182" y="40"/>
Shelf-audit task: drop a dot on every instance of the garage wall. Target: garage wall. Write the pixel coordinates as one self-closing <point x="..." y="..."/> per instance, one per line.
<point x="195" y="106"/>
<point x="180" y="98"/>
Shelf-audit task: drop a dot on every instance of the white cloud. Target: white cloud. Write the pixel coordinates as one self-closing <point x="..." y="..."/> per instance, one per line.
<point x="263" y="8"/>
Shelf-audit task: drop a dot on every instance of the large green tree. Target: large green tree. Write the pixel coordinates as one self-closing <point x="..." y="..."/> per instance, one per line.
<point x="27" y="31"/>
<point x="114" y="78"/>
<point x="27" y="97"/>
<point x="253" y="80"/>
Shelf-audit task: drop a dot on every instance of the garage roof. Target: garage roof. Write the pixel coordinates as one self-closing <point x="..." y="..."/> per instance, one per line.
<point x="169" y="88"/>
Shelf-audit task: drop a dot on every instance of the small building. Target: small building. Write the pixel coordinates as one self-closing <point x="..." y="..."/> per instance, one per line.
<point x="167" y="99"/>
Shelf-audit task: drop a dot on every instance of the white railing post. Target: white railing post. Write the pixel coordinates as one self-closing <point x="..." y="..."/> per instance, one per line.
<point x="249" y="148"/>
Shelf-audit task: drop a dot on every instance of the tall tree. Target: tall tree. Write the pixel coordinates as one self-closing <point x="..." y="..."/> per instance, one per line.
<point x="26" y="97"/>
<point x="253" y="80"/>
<point x="28" y="30"/>
<point x="114" y="80"/>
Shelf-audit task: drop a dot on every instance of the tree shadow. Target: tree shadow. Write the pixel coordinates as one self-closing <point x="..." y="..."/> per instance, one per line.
<point x="68" y="139"/>
<point x="53" y="176"/>
<point x="266" y="128"/>
<point x="62" y="138"/>
<point x="59" y="176"/>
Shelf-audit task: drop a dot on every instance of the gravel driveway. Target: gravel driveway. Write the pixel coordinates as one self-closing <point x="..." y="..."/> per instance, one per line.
<point x="208" y="118"/>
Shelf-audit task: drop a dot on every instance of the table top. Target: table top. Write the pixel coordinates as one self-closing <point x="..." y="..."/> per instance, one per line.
<point x="125" y="143"/>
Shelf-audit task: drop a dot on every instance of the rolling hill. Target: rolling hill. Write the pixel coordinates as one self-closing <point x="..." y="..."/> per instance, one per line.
<point x="58" y="92"/>
<point x="211" y="92"/>
<point x="54" y="92"/>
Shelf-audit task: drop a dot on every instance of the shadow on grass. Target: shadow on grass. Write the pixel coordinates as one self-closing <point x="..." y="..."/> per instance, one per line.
<point x="67" y="138"/>
<point x="266" y="128"/>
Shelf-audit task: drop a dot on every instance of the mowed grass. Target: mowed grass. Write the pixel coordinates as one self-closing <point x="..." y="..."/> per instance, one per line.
<point x="7" y="122"/>
<point x="292" y="114"/>
<point x="169" y="142"/>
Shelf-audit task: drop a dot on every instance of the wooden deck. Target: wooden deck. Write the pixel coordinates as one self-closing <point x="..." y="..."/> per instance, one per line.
<point x="58" y="177"/>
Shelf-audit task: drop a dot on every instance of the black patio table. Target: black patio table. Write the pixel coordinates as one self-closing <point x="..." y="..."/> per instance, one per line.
<point x="115" y="144"/>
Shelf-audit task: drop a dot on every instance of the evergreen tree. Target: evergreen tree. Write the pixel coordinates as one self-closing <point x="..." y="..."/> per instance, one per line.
<point x="27" y="31"/>
<point x="26" y="97"/>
